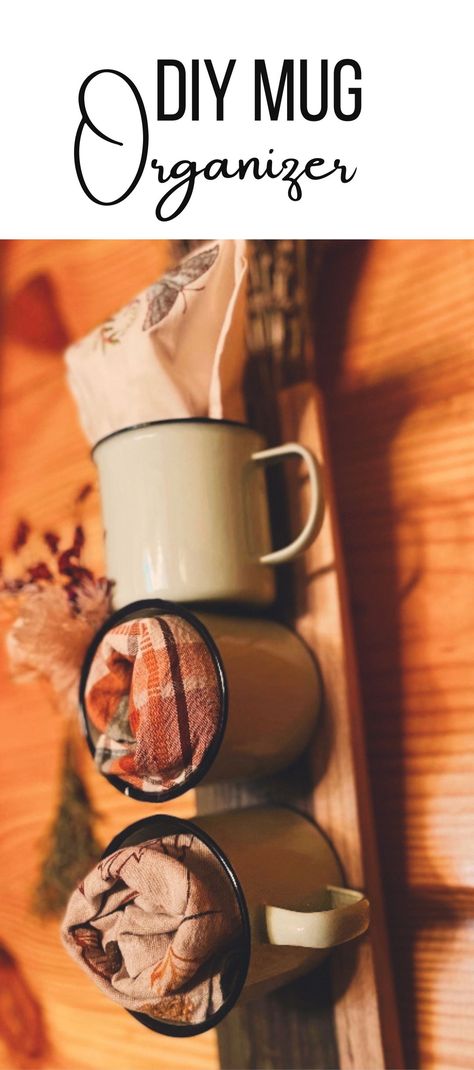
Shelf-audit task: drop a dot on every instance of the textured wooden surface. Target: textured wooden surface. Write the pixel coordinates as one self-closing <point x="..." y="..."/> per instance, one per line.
<point x="395" y="344"/>
<point x="395" y="355"/>
<point x="302" y="1027"/>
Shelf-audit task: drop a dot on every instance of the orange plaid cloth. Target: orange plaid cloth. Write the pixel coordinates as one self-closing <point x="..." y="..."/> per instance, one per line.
<point x="153" y="702"/>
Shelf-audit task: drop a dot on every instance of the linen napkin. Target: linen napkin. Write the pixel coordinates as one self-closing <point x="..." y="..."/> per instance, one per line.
<point x="153" y="701"/>
<point x="156" y="926"/>
<point x="175" y="350"/>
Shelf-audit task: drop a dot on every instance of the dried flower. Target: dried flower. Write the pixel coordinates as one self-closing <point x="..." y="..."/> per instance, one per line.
<point x="40" y="571"/>
<point x="84" y="492"/>
<point x="21" y="535"/>
<point x="78" y="541"/>
<point x="52" y="541"/>
<point x="70" y="846"/>
<point x="48" y="638"/>
<point x="55" y="609"/>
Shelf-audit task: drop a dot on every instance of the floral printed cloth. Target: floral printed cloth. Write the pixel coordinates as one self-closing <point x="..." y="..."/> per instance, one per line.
<point x="157" y="926"/>
<point x="175" y="350"/>
<point x="153" y="701"/>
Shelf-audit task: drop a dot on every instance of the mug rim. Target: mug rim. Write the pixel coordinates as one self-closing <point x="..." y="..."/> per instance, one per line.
<point x="163" y="1026"/>
<point x="174" y="420"/>
<point x="127" y="612"/>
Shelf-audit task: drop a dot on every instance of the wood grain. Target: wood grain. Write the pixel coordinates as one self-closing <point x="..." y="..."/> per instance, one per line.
<point x="395" y="359"/>
<point x="394" y="334"/>
<point x="364" y="1004"/>
<point x="358" y="1026"/>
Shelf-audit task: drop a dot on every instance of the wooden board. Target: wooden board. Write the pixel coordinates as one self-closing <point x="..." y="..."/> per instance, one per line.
<point x="364" y="1008"/>
<point x="345" y="1016"/>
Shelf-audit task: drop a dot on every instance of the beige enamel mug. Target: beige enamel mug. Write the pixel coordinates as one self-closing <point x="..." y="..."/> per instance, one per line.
<point x="284" y="878"/>
<point x="185" y="511"/>
<point x="292" y="884"/>
<point x="243" y="692"/>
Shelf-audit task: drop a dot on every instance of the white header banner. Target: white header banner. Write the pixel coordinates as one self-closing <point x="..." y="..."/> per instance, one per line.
<point x="252" y="119"/>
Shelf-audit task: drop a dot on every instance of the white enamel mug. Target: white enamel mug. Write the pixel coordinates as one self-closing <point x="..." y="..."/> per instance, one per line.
<point x="185" y="511"/>
<point x="292" y="883"/>
<point x="289" y="887"/>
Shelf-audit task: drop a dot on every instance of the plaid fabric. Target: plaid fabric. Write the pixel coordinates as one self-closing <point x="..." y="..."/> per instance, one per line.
<point x="153" y="697"/>
<point x="156" y="926"/>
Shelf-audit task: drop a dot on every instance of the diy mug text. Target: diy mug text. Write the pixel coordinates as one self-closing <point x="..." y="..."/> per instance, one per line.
<point x="179" y="93"/>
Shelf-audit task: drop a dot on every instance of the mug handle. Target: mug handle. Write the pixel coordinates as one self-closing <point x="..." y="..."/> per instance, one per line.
<point x="342" y="915"/>
<point x="316" y="509"/>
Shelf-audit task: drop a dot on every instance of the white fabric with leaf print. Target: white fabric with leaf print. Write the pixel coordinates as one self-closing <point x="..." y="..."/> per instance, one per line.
<point x="176" y="350"/>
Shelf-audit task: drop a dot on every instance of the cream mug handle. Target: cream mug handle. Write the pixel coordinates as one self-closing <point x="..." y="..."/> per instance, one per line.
<point x="316" y="509"/>
<point x="341" y="916"/>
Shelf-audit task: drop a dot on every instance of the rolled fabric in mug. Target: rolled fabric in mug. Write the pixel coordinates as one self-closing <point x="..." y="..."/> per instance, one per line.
<point x="176" y="350"/>
<point x="154" y="694"/>
<point x="156" y="925"/>
<point x="170" y="698"/>
<point x="257" y="890"/>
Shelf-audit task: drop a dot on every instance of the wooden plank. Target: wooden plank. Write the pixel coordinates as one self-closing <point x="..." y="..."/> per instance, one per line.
<point x="361" y="1028"/>
<point x="365" y="1009"/>
<point x="348" y="1016"/>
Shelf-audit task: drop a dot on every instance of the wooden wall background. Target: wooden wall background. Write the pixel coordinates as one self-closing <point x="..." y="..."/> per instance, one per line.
<point x="396" y="351"/>
<point x="394" y="334"/>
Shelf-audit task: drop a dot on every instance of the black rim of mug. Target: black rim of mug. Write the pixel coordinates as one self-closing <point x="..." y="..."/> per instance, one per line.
<point x="179" y="824"/>
<point x="175" y="420"/>
<point x="157" y="606"/>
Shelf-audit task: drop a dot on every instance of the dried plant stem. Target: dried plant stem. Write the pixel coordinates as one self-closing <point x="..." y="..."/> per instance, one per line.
<point x="70" y="848"/>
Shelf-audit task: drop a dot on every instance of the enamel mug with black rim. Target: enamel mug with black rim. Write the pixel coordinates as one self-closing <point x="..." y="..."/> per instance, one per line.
<point x="290" y="891"/>
<point x="270" y="695"/>
<point x="186" y="513"/>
